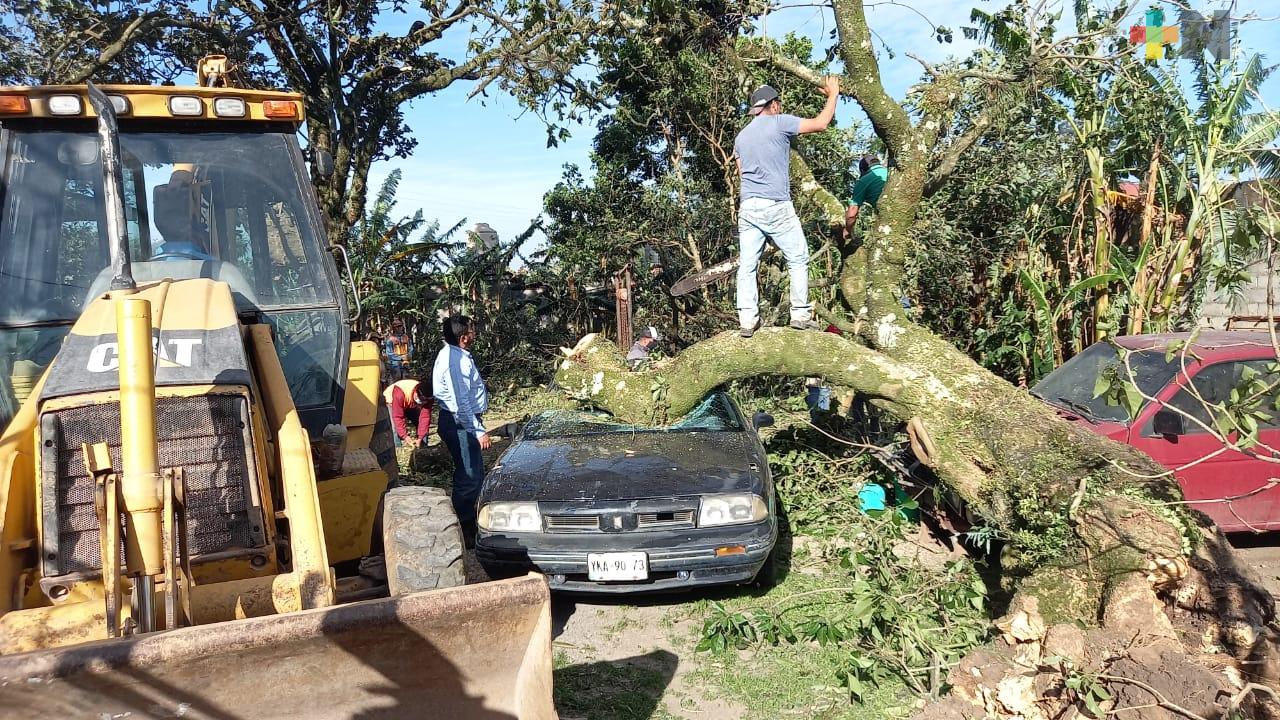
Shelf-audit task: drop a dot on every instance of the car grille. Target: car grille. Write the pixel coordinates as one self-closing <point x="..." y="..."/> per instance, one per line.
<point x="563" y="523"/>
<point x="206" y="435"/>
<point x="664" y="520"/>
<point x="677" y="519"/>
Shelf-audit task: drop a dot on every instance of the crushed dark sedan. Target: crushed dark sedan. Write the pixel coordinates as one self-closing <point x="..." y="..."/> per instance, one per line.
<point x="601" y="506"/>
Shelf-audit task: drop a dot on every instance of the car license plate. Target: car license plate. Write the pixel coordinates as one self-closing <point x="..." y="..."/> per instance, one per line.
<point x="618" y="566"/>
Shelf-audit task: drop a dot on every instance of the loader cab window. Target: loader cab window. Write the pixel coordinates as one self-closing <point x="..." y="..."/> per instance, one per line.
<point x="229" y="207"/>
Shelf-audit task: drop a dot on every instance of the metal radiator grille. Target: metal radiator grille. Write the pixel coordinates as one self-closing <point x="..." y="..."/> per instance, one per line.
<point x="675" y="519"/>
<point x="206" y="435"/>
<point x="572" y="522"/>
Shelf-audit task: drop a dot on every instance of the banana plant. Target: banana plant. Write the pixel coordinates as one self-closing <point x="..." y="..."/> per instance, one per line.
<point x="391" y="268"/>
<point x="1220" y="143"/>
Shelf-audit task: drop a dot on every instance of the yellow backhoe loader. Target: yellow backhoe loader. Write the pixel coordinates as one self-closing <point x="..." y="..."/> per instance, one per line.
<point x="197" y="481"/>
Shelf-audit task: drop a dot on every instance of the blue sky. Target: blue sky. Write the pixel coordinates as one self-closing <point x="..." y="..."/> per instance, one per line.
<point x="489" y="162"/>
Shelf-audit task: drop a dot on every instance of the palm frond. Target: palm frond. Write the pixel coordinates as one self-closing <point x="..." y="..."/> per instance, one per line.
<point x="1257" y="130"/>
<point x="1240" y="91"/>
<point x="1001" y="31"/>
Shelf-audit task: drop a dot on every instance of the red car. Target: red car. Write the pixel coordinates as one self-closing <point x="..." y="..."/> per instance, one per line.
<point x="1215" y="362"/>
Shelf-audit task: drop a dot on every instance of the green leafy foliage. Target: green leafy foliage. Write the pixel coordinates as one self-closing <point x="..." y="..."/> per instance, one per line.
<point x="893" y="618"/>
<point x="68" y="41"/>
<point x="1115" y="385"/>
<point x="1089" y="690"/>
<point x="1042" y="533"/>
<point x="1036" y="220"/>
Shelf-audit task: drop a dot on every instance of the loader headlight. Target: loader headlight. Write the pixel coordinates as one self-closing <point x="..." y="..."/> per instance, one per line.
<point x="731" y="510"/>
<point x="510" y="517"/>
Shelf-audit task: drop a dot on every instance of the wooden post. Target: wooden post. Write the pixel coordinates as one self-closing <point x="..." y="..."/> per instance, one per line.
<point x="622" y="294"/>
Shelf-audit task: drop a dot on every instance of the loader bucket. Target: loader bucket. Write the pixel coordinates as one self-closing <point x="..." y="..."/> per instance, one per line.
<point x="477" y="651"/>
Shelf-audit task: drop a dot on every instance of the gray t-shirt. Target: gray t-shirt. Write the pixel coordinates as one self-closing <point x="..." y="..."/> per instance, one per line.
<point x="638" y="354"/>
<point x="764" y="148"/>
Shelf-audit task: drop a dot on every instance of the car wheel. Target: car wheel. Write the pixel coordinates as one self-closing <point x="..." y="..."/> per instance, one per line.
<point x="422" y="540"/>
<point x="768" y="574"/>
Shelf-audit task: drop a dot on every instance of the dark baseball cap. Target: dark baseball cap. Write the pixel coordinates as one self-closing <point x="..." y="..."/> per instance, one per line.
<point x="760" y="98"/>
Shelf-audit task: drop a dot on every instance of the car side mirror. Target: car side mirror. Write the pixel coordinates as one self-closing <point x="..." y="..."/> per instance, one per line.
<point x="1168" y="423"/>
<point x="761" y="419"/>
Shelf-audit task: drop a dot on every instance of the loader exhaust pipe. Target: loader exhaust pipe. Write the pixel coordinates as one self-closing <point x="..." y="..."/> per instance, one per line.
<point x="112" y="189"/>
<point x="140" y="480"/>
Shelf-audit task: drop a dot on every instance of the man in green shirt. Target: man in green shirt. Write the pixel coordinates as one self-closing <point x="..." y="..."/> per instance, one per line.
<point x="871" y="180"/>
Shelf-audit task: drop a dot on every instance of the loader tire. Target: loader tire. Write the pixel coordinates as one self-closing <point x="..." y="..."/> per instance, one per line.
<point x="383" y="446"/>
<point x="422" y="540"/>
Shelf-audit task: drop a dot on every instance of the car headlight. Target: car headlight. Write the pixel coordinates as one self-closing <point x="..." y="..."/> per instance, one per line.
<point x="510" y="517"/>
<point x="731" y="510"/>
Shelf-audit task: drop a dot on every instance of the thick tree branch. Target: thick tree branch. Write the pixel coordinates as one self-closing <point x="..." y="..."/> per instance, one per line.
<point x="946" y="164"/>
<point x="999" y="450"/>
<point x="141" y="23"/>
<point x="595" y="370"/>
<point x="862" y="77"/>
<point x="781" y="62"/>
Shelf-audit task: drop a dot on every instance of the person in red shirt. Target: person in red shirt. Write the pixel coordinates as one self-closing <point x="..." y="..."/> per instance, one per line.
<point x="410" y="401"/>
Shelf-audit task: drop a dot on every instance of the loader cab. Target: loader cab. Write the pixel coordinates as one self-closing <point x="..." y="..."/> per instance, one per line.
<point x="206" y="196"/>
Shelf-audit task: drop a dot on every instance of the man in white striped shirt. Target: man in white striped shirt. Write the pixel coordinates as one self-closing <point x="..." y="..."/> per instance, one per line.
<point x="462" y="401"/>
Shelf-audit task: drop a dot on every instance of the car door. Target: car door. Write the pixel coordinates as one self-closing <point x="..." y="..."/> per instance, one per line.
<point x="1205" y="475"/>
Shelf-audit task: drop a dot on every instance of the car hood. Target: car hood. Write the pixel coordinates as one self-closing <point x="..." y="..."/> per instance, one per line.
<point x="1106" y="428"/>
<point x="627" y="467"/>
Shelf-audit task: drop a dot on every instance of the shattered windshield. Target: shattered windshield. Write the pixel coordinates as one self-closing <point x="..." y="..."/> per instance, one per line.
<point x="715" y="413"/>
<point x="1071" y="385"/>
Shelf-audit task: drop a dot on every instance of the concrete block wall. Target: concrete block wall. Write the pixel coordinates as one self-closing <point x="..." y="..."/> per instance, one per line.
<point x="1218" y="307"/>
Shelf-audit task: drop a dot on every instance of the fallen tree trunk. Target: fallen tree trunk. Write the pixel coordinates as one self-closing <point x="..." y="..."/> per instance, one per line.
<point x="1094" y="526"/>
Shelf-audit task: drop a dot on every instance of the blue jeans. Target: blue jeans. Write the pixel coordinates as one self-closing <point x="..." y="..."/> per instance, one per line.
<point x="775" y="219"/>
<point x="468" y="468"/>
<point x="396" y="369"/>
<point x="818" y="399"/>
<point x="411" y="418"/>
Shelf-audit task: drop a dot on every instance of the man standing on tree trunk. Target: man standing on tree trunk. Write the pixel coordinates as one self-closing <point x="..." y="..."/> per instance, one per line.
<point x="763" y="153"/>
<point x="462" y="399"/>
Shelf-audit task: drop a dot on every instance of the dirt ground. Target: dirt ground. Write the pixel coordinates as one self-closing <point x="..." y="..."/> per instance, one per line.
<point x="647" y="645"/>
<point x="629" y="658"/>
<point x="634" y="657"/>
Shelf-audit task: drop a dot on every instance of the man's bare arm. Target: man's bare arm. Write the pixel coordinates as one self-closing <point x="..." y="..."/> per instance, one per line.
<point x="850" y="216"/>
<point x="830" y="86"/>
